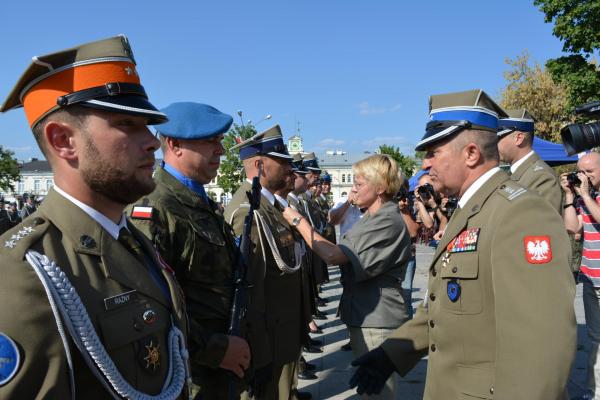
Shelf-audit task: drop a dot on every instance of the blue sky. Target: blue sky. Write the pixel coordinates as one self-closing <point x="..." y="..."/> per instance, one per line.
<point x="353" y="74"/>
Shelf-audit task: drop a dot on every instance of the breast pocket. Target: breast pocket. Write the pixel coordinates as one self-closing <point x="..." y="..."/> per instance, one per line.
<point x="210" y="258"/>
<point x="462" y="290"/>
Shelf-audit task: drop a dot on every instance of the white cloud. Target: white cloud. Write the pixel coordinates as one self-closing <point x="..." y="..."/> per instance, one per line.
<point x="21" y="149"/>
<point x="364" y="108"/>
<point x="329" y="143"/>
<point x="404" y="143"/>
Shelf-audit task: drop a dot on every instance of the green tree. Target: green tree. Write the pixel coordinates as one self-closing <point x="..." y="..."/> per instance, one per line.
<point x="577" y="24"/>
<point x="9" y="170"/>
<point x="533" y="88"/>
<point x="231" y="171"/>
<point x="405" y="163"/>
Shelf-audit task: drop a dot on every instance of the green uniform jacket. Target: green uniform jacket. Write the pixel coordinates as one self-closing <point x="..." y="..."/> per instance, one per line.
<point x="99" y="267"/>
<point x="197" y="243"/>
<point x="276" y="297"/>
<point x="315" y="217"/>
<point x="329" y="232"/>
<point x="511" y="333"/>
<point x="309" y="289"/>
<point x="538" y="176"/>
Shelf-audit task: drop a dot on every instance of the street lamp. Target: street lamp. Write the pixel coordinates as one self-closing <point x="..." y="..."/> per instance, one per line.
<point x="239" y="112"/>
<point x="268" y="116"/>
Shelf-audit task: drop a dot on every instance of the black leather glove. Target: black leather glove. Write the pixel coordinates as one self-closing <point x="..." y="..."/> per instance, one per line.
<point x="374" y="368"/>
<point x="258" y="385"/>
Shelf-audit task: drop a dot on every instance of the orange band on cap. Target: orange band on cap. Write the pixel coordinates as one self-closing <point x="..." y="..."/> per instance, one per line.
<point x="42" y="97"/>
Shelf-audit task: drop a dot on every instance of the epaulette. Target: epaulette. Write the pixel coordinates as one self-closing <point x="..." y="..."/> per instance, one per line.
<point x="511" y="190"/>
<point x="31" y="229"/>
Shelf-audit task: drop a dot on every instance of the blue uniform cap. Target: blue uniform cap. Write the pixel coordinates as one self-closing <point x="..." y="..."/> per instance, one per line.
<point x="452" y="113"/>
<point x="326" y="178"/>
<point x="191" y="121"/>
<point x="518" y="120"/>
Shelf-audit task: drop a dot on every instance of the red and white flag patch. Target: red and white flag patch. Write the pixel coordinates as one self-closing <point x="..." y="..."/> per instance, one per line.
<point x="537" y="249"/>
<point x="140" y="212"/>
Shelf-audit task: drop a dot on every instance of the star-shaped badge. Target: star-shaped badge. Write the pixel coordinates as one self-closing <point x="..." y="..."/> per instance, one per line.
<point x="153" y="356"/>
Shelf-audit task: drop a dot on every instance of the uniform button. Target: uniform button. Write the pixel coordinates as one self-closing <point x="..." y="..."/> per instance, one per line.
<point x="137" y="326"/>
<point x="149" y="317"/>
<point x="433" y="273"/>
<point x="492" y="390"/>
<point x="433" y="348"/>
<point x="431" y="323"/>
<point x="454" y="269"/>
<point x="431" y="296"/>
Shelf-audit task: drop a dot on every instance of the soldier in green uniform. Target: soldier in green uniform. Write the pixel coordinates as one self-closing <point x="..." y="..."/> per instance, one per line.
<point x="498" y="319"/>
<point x="275" y="277"/>
<point x="88" y="310"/>
<point x="515" y="141"/>
<point x="183" y="223"/>
<point x="316" y="218"/>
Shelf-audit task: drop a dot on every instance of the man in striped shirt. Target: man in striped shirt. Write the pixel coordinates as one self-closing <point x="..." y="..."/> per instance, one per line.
<point x="584" y="215"/>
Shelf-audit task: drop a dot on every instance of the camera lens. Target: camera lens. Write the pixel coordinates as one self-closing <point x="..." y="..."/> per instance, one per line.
<point x="579" y="137"/>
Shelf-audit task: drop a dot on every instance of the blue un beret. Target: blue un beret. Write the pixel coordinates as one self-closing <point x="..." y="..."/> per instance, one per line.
<point x="189" y="121"/>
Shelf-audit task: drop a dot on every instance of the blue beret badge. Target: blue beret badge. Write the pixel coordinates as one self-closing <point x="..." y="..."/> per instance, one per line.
<point x="453" y="290"/>
<point x="9" y="359"/>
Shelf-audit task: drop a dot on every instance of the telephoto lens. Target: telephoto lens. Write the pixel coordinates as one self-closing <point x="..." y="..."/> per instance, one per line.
<point x="426" y="191"/>
<point x="579" y="137"/>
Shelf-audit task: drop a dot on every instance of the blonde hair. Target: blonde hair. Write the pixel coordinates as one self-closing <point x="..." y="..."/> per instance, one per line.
<point x="381" y="171"/>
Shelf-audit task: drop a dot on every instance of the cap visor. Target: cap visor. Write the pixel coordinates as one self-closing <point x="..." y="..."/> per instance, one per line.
<point x="128" y="104"/>
<point x="280" y="155"/>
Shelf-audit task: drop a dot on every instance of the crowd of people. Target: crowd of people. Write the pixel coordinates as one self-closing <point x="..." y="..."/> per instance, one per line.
<point x="122" y="283"/>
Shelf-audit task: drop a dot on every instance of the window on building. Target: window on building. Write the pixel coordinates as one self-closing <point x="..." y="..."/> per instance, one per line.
<point x="36" y="185"/>
<point x="344" y="194"/>
<point x="49" y="184"/>
<point x="343" y="178"/>
<point x="349" y="178"/>
<point x="224" y="199"/>
<point x="21" y="187"/>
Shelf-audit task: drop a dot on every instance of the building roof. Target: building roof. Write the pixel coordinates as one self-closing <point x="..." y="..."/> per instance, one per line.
<point x="339" y="159"/>
<point x="35" y="166"/>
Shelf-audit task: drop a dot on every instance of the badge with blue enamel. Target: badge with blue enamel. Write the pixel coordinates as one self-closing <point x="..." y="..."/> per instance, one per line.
<point x="9" y="359"/>
<point x="453" y="290"/>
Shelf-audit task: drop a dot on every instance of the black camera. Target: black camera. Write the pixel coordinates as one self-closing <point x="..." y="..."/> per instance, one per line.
<point x="579" y="137"/>
<point x="573" y="179"/>
<point x="402" y="194"/>
<point x="426" y="191"/>
<point x="451" y="205"/>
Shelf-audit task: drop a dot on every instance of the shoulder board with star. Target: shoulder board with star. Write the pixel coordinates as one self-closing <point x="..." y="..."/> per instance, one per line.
<point x="20" y="238"/>
<point x="511" y="190"/>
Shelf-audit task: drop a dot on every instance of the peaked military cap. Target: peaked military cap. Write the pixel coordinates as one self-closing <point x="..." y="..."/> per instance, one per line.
<point x="298" y="164"/>
<point x="326" y="178"/>
<point x="99" y="74"/>
<point x="310" y="162"/>
<point x="518" y="120"/>
<point x="191" y="121"/>
<point x="451" y="113"/>
<point x="266" y="143"/>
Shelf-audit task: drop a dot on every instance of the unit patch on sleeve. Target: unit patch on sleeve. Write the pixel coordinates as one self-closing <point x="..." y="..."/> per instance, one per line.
<point x="9" y="359"/>
<point x="464" y="241"/>
<point x="537" y="249"/>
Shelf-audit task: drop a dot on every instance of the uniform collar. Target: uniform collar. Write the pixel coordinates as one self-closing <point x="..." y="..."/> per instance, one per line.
<point x="475" y="186"/>
<point x="308" y="194"/>
<point x="96" y="215"/>
<point x="190" y="183"/>
<point x="520" y="162"/>
<point x="293" y="196"/>
<point x="282" y="201"/>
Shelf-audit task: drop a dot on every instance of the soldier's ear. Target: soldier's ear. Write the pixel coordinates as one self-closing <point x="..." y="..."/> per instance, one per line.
<point x="173" y="145"/>
<point x="61" y="140"/>
<point x="472" y="154"/>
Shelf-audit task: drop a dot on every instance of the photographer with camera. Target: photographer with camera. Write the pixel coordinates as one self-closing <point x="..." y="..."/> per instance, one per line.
<point x="427" y="202"/>
<point x="582" y="214"/>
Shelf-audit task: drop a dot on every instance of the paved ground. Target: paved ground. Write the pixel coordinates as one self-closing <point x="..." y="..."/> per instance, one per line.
<point x="334" y="364"/>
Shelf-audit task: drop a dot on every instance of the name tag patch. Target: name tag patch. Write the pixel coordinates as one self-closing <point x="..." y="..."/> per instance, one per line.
<point x="465" y="241"/>
<point x="119" y="300"/>
<point x="9" y="359"/>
